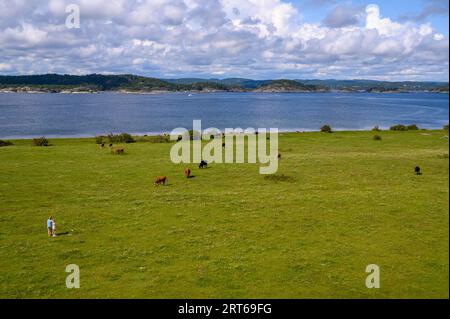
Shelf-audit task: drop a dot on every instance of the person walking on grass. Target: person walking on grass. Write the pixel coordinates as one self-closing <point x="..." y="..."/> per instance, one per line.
<point x="53" y="228"/>
<point x="50" y="226"/>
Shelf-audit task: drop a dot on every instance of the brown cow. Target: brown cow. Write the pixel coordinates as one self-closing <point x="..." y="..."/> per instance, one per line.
<point x="118" y="151"/>
<point x="187" y="172"/>
<point x="161" y="180"/>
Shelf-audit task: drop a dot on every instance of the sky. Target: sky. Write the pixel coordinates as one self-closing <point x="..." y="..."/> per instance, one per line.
<point x="394" y="40"/>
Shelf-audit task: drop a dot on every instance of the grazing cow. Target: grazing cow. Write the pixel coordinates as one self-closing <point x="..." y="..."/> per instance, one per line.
<point x="160" y="180"/>
<point x="187" y="172"/>
<point x="417" y="170"/>
<point x="203" y="164"/>
<point x="110" y="145"/>
<point x="118" y="151"/>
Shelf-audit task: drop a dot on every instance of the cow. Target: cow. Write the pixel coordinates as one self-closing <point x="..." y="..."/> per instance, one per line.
<point x="103" y="145"/>
<point x="203" y="164"/>
<point x="279" y="155"/>
<point x="118" y="151"/>
<point x="417" y="170"/>
<point x="187" y="172"/>
<point x="160" y="180"/>
<point x="110" y="145"/>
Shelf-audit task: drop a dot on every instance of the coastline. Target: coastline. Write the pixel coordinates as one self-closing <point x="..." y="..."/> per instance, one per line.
<point x="155" y="134"/>
<point x="212" y="92"/>
<point x="256" y="91"/>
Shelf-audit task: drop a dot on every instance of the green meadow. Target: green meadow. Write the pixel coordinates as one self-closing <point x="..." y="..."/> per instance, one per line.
<point x="338" y="203"/>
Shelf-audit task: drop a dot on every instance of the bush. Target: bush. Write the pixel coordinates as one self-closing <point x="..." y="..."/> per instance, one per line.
<point x="42" y="141"/>
<point x="126" y="138"/>
<point x="5" y="143"/>
<point x="121" y="138"/>
<point x="376" y="129"/>
<point x="377" y="137"/>
<point x="446" y="127"/>
<point x="326" y="129"/>
<point x="100" y="139"/>
<point x="153" y="139"/>
<point x="399" y="127"/>
<point x="412" y="127"/>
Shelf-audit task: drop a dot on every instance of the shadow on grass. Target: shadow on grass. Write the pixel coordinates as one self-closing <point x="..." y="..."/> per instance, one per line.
<point x="62" y="234"/>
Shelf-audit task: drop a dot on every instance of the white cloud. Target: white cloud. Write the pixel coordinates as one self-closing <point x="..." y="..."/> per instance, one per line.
<point x="250" y="38"/>
<point x="439" y="37"/>
<point x="384" y="26"/>
<point x="25" y="35"/>
<point x="5" y="67"/>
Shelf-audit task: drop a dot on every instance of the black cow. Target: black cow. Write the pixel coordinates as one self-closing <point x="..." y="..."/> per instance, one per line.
<point x="417" y="170"/>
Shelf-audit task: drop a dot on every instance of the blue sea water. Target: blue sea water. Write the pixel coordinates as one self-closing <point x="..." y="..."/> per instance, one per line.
<point x="78" y="115"/>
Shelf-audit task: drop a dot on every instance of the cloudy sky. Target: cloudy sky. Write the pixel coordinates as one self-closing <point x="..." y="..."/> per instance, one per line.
<point x="260" y="39"/>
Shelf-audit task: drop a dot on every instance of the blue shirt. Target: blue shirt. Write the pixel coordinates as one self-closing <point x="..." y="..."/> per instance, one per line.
<point x="49" y="223"/>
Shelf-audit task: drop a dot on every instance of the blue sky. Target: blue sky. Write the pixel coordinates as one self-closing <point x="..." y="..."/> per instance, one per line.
<point x="260" y="39"/>
<point x="314" y="11"/>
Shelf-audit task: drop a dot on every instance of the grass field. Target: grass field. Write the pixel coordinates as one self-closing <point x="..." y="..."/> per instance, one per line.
<point x="339" y="202"/>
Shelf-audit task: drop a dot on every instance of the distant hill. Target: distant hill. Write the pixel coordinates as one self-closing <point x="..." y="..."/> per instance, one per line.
<point x="287" y="86"/>
<point x="56" y="83"/>
<point x="98" y="82"/>
<point x="331" y="85"/>
<point x="378" y="86"/>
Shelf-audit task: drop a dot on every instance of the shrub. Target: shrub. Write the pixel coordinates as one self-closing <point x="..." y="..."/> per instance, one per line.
<point x="153" y="139"/>
<point x="376" y="128"/>
<point x="42" y="141"/>
<point x="326" y="129"/>
<point x="412" y="127"/>
<point x="126" y="138"/>
<point x="120" y="138"/>
<point x="446" y="127"/>
<point x="377" y="137"/>
<point x="100" y="139"/>
<point x="399" y="127"/>
<point x="5" y="143"/>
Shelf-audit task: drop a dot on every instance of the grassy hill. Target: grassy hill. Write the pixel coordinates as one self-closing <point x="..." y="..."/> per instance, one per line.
<point x="339" y="202"/>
